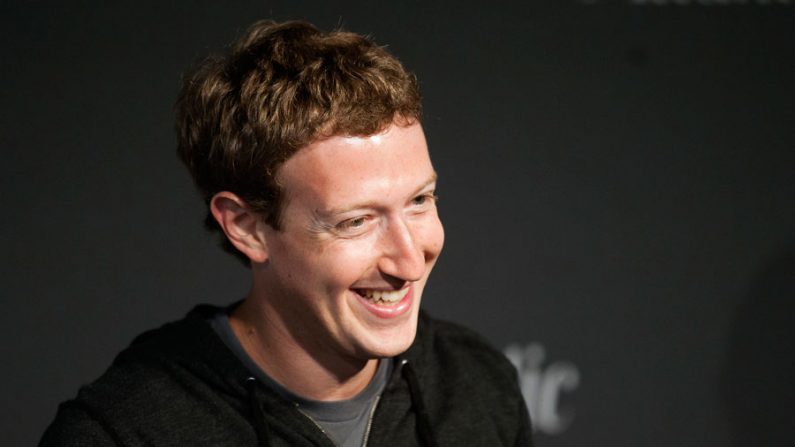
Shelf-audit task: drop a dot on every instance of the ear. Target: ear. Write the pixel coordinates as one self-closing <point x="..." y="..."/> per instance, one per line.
<point x="240" y="224"/>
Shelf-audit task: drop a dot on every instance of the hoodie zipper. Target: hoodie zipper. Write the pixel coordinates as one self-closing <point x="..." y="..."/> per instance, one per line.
<point x="366" y="429"/>
<point x="370" y="417"/>
<point x="297" y="407"/>
<point x="375" y="404"/>
<point x="370" y="421"/>
<point x="319" y="427"/>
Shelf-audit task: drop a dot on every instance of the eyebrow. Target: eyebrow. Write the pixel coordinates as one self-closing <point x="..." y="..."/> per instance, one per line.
<point x="337" y="211"/>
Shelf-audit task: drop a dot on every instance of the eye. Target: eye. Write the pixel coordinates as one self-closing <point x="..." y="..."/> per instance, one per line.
<point x="353" y="226"/>
<point x="424" y="199"/>
<point x="356" y="222"/>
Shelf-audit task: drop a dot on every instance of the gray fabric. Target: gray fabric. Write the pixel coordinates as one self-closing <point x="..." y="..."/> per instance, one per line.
<point x="344" y="421"/>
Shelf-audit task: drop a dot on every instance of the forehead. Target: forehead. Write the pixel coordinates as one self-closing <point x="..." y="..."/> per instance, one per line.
<point x="351" y="168"/>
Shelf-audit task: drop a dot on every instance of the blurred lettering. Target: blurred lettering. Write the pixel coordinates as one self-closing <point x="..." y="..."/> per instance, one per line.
<point x="542" y="386"/>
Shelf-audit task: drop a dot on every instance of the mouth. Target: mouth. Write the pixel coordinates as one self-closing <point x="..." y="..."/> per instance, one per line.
<point x="383" y="297"/>
<point x="386" y="303"/>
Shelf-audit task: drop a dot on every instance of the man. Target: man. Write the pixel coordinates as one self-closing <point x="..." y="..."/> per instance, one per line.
<point x="310" y="154"/>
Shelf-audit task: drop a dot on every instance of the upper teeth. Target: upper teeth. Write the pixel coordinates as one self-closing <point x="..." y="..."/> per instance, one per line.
<point x="389" y="296"/>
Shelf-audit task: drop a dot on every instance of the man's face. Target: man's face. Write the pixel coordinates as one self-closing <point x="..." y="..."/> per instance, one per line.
<point x="360" y="235"/>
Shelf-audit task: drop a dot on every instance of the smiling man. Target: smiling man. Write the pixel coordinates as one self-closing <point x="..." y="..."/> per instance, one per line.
<point x="310" y="154"/>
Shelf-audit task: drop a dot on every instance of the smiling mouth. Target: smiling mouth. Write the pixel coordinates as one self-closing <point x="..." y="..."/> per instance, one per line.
<point x="384" y="296"/>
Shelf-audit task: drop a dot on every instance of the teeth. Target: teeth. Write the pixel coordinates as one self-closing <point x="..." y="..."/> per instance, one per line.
<point x="385" y="296"/>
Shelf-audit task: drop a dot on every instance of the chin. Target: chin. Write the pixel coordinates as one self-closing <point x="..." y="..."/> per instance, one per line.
<point x="389" y="342"/>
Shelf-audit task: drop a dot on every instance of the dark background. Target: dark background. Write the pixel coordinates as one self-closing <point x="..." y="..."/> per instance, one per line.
<point x="617" y="183"/>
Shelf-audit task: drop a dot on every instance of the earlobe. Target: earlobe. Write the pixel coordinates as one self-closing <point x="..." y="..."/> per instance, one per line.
<point x="240" y="224"/>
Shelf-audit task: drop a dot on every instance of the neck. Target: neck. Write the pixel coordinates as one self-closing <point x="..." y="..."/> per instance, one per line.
<point x="304" y="366"/>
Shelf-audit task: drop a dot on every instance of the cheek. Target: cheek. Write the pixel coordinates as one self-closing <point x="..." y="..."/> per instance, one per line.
<point x="345" y="263"/>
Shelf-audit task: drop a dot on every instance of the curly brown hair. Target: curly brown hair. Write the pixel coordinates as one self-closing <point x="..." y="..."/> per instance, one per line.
<point x="280" y="87"/>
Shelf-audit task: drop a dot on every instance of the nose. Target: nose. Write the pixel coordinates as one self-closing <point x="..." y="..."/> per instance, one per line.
<point x="402" y="256"/>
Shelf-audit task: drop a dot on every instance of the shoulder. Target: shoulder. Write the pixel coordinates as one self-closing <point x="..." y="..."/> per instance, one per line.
<point x="74" y="426"/>
<point x="470" y="388"/>
<point x="167" y="377"/>
<point x="456" y="348"/>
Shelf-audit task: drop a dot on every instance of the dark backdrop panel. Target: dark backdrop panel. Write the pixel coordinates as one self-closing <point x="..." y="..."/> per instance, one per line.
<point x="616" y="181"/>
